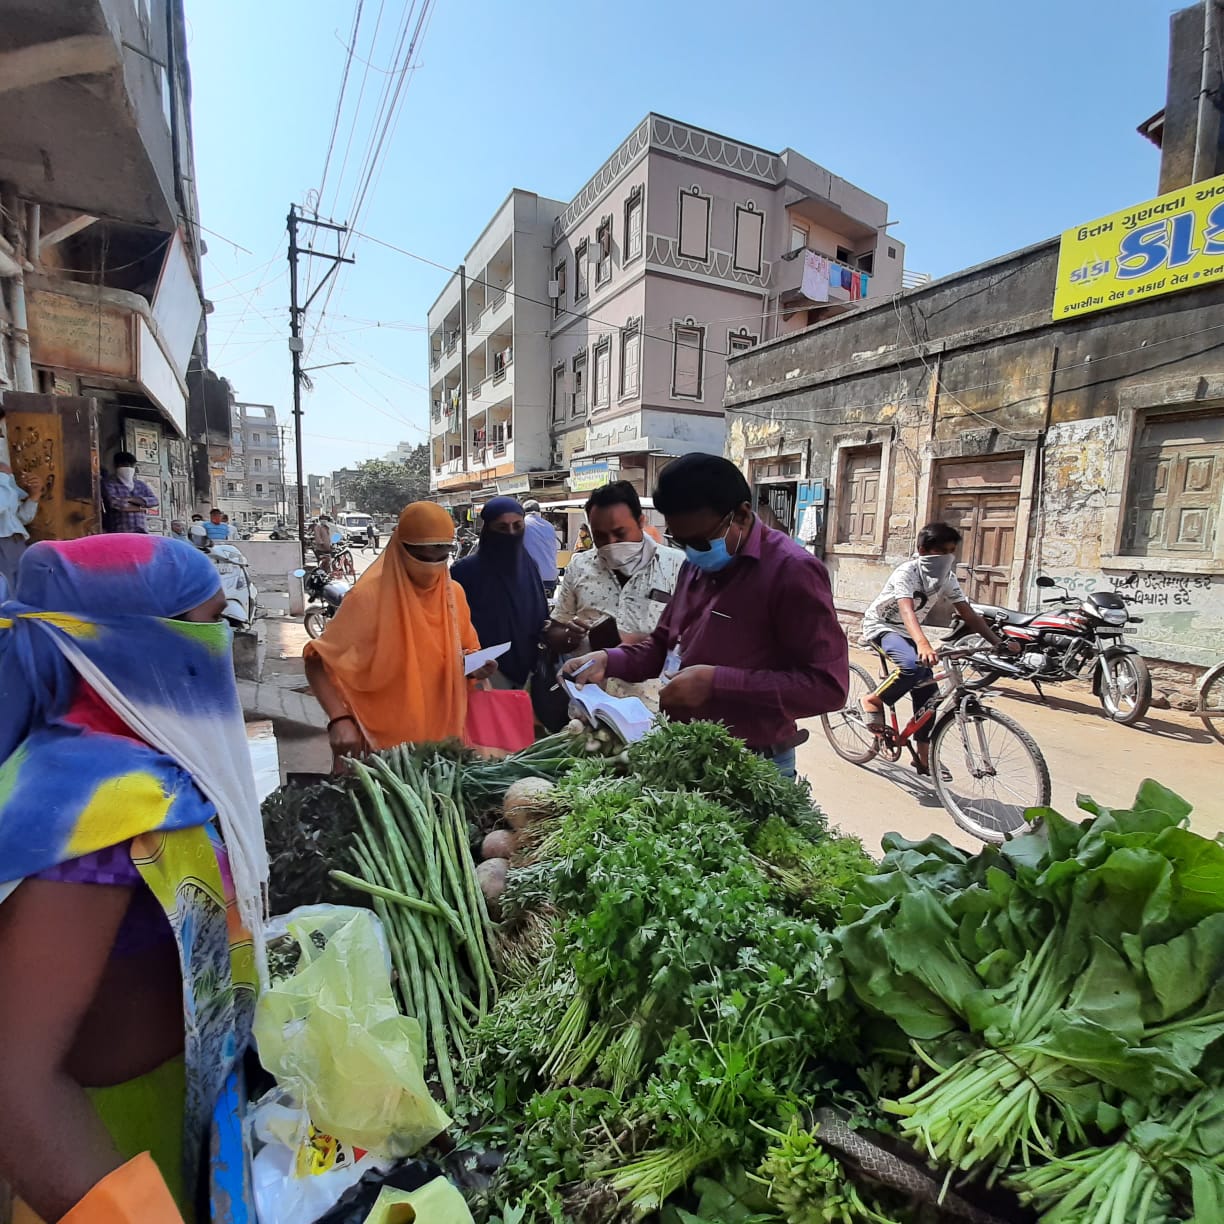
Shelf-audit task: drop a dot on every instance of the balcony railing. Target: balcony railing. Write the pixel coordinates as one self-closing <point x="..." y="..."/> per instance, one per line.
<point x="495" y="302"/>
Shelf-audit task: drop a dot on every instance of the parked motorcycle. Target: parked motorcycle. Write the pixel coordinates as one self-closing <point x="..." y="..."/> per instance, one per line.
<point x="241" y="597"/>
<point x="466" y="543"/>
<point x="325" y="595"/>
<point x="1060" y="643"/>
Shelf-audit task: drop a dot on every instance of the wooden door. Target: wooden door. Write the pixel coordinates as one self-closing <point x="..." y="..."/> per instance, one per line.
<point x="981" y="499"/>
<point x="56" y="437"/>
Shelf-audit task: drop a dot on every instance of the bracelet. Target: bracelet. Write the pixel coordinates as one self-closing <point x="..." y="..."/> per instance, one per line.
<point x="340" y="718"/>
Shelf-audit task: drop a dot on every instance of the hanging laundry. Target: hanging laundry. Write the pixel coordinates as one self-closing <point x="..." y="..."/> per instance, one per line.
<point x="858" y="286"/>
<point x="839" y="283"/>
<point x="815" y="277"/>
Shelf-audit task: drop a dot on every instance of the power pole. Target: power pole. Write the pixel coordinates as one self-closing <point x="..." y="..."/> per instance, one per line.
<point x="296" y="314"/>
<point x="463" y="387"/>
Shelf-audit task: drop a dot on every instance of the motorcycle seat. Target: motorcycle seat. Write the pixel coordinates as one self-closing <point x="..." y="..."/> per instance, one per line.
<point x="1008" y="616"/>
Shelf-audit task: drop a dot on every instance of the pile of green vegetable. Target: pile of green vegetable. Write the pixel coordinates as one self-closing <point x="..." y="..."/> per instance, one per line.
<point x="1062" y="999"/>
<point x="669" y="991"/>
<point x="669" y="1017"/>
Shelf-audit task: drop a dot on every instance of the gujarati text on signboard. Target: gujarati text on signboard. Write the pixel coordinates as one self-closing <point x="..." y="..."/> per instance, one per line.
<point x="1173" y="242"/>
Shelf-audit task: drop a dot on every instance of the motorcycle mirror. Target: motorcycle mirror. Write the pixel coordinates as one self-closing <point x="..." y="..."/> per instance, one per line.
<point x="299" y="573"/>
<point x="337" y="538"/>
<point x="1043" y="581"/>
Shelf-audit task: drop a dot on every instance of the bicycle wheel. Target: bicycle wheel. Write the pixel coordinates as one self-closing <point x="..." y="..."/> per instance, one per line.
<point x="997" y="772"/>
<point x="1126" y="687"/>
<point x="349" y="571"/>
<point x="1210" y="706"/>
<point x="846" y="729"/>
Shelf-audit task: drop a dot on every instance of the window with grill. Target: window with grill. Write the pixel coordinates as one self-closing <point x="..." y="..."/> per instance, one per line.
<point x="603" y="374"/>
<point x="633" y="225"/>
<point x="631" y="350"/>
<point x="558" y="395"/>
<point x="580" y="271"/>
<point x="858" y="499"/>
<point x="739" y="342"/>
<point x="580" y="385"/>
<point x="695" y="226"/>
<point x="603" y="252"/>
<point x="688" y="354"/>
<point x="1177" y="482"/>
<point x="559" y="300"/>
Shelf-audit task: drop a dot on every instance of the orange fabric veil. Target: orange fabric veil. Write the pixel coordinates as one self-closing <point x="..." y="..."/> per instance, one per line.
<point x="395" y="647"/>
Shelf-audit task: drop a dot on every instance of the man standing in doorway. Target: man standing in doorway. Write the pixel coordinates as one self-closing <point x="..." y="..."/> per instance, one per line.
<point x="541" y="544"/>
<point x="750" y="638"/>
<point x="127" y="500"/>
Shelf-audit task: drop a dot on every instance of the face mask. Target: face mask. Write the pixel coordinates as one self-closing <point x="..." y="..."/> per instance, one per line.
<point x="620" y="555"/>
<point x="127" y="475"/>
<point x="936" y="568"/>
<point x="500" y="545"/>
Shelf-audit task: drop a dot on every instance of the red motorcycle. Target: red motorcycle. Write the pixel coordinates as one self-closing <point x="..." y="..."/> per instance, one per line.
<point x="1059" y="644"/>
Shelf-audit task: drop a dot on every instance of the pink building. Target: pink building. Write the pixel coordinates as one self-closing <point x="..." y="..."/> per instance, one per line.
<point x="683" y="247"/>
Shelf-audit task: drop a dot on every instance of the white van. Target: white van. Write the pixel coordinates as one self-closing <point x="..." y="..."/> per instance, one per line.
<point x="353" y="525"/>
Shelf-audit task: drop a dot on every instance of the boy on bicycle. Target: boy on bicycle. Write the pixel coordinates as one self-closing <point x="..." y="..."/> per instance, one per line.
<point x="892" y="623"/>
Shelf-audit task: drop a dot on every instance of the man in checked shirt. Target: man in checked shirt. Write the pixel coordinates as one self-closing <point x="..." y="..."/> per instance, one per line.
<point x="127" y="500"/>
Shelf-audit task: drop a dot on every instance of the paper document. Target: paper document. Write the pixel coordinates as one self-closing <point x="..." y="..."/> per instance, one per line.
<point x="627" y="716"/>
<point x="478" y="658"/>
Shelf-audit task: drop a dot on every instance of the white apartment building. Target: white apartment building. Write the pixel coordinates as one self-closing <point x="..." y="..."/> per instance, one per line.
<point x="683" y="247"/>
<point x="253" y="482"/>
<point x="500" y="433"/>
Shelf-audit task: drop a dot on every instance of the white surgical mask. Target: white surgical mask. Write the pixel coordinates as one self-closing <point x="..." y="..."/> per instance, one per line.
<point x="937" y="567"/>
<point x="621" y="555"/>
<point x="127" y="475"/>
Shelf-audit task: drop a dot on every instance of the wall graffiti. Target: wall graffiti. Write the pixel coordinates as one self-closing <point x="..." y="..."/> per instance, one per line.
<point x="1183" y="614"/>
<point x="1152" y="590"/>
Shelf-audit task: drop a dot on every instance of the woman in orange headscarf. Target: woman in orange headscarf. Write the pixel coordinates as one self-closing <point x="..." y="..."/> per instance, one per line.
<point x="389" y="667"/>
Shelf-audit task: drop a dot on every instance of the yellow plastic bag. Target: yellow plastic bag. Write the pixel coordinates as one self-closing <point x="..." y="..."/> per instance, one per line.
<point x="334" y="1038"/>
<point x="436" y="1202"/>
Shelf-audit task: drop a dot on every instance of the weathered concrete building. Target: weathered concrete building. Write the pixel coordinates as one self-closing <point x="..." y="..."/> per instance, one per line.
<point x="102" y="338"/>
<point x="1091" y="449"/>
<point x="1078" y="434"/>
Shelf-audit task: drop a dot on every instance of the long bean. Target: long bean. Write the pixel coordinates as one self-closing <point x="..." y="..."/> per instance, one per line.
<point x="386" y="894"/>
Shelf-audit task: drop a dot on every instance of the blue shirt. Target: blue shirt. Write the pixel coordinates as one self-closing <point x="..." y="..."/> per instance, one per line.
<point x="217" y="531"/>
<point x="541" y="542"/>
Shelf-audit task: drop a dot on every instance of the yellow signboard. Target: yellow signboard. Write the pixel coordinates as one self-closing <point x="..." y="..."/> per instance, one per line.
<point x="1173" y="242"/>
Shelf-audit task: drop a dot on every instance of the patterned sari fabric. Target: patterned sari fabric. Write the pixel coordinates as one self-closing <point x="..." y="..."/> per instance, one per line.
<point x="93" y="628"/>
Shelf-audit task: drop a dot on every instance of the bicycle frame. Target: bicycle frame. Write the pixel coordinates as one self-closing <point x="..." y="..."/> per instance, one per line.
<point x="941" y="703"/>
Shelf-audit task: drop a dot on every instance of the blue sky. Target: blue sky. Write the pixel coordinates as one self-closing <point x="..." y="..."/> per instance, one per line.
<point x="985" y="125"/>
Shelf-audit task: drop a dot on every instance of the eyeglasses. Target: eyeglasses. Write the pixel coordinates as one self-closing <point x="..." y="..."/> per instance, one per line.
<point x="703" y="545"/>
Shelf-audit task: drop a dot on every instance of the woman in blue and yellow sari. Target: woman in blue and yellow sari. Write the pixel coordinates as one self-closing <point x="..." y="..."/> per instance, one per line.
<point x="132" y="874"/>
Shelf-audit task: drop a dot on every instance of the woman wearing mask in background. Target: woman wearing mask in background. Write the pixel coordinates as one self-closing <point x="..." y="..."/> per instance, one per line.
<point x="504" y="591"/>
<point x="18" y="506"/>
<point x="388" y="668"/>
<point x="627" y="576"/>
<point x="132" y="868"/>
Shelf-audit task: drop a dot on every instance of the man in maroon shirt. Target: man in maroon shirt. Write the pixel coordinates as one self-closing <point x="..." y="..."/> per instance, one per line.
<point x="749" y="638"/>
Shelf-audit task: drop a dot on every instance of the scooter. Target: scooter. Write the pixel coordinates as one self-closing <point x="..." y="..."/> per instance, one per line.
<point x="241" y="597"/>
<point x="325" y="594"/>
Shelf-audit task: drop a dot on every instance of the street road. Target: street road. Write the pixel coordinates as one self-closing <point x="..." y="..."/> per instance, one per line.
<point x="1086" y="754"/>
